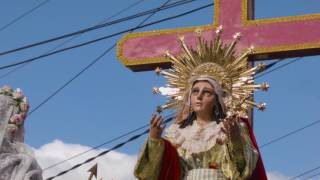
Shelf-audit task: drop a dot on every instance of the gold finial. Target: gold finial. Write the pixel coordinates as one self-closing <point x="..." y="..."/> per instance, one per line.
<point x="251" y="49"/>
<point x="261" y="106"/>
<point x="237" y="36"/>
<point x="219" y="29"/>
<point x="158" y="70"/>
<point x="261" y="67"/>
<point x="155" y="90"/>
<point x="199" y="31"/>
<point x="264" y="86"/>
<point x="159" y="109"/>
<point x="181" y="38"/>
<point x="166" y="53"/>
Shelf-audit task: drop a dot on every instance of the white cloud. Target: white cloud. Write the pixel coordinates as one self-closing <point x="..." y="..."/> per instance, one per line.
<point x="114" y="165"/>
<point x="277" y="176"/>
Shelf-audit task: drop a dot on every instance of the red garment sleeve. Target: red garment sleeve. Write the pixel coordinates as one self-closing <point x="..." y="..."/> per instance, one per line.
<point x="170" y="167"/>
<point x="259" y="173"/>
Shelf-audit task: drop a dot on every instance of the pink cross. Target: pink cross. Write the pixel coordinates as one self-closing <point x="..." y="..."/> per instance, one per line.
<point x="272" y="38"/>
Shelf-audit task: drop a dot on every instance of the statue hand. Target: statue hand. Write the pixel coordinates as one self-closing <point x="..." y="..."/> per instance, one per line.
<point x="232" y="129"/>
<point x="156" y="127"/>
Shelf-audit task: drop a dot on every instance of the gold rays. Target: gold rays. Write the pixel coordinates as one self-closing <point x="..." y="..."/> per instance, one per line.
<point x="218" y="61"/>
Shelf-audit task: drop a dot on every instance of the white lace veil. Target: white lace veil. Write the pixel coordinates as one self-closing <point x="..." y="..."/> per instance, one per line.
<point x="17" y="161"/>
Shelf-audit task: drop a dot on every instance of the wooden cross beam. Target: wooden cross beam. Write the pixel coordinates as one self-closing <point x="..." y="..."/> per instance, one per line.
<point x="272" y="38"/>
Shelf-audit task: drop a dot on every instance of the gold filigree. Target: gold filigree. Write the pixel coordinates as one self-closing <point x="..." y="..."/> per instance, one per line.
<point x="216" y="60"/>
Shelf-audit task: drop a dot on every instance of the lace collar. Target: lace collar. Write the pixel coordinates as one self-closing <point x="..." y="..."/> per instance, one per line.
<point x="195" y="138"/>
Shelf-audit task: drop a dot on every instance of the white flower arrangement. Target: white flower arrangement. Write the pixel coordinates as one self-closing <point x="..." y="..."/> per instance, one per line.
<point x="22" y="104"/>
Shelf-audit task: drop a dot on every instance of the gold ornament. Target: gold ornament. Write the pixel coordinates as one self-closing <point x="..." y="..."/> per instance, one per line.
<point x="218" y="61"/>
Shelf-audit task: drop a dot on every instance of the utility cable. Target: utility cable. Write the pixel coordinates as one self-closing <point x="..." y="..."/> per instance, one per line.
<point x="96" y="147"/>
<point x="305" y="172"/>
<point x="74" y="37"/>
<point x="107" y="151"/>
<point x="106" y="37"/>
<point x="290" y="133"/>
<point x="178" y="3"/>
<point x="96" y="60"/>
<point x="23" y="15"/>
<point x="309" y="177"/>
<point x="103" y="144"/>
<point x="279" y="67"/>
<point x="140" y="24"/>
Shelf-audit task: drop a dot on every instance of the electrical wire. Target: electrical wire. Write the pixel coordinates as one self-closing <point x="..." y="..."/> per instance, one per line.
<point x="74" y="37"/>
<point x="305" y="172"/>
<point x="23" y="15"/>
<point x="107" y="151"/>
<point x="266" y="144"/>
<point x="140" y="24"/>
<point x="279" y="67"/>
<point x="105" y="37"/>
<point x="99" y="57"/>
<point x="289" y="134"/>
<point x="309" y="177"/>
<point x="178" y="3"/>
<point x="103" y="144"/>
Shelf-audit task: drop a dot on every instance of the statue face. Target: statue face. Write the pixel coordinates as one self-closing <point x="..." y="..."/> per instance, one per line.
<point x="202" y="97"/>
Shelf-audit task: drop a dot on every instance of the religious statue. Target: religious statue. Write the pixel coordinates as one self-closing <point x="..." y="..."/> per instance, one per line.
<point x="210" y="87"/>
<point x="17" y="161"/>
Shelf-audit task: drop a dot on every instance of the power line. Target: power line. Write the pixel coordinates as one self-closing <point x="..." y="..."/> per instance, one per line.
<point x="74" y="37"/>
<point x="140" y="24"/>
<point x="86" y="68"/>
<point x="294" y="131"/>
<point x="23" y="15"/>
<point x="96" y="147"/>
<point x="120" y="12"/>
<point x="130" y="132"/>
<point x="131" y="138"/>
<point x="106" y="37"/>
<point x="135" y="137"/>
<point x="290" y="133"/>
<point x="107" y="151"/>
<point x="305" y="172"/>
<point x="103" y="144"/>
<point x="178" y="3"/>
<point x="72" y="79"/>
<point x="83" y="70"/>
<point x="314" y="175"/>
<point x="98" y="58"/>
<point x="266" y="144"/>
<point x="279" y="67"/>
<point x="100" y="154"/>
<point x="262" y="146"/>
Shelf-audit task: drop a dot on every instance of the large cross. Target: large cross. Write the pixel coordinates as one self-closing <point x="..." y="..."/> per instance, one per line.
<point x="272" y="38"/>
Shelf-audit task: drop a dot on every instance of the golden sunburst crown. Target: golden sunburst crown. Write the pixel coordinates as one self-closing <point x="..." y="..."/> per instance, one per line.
<point x="218" y="61"/>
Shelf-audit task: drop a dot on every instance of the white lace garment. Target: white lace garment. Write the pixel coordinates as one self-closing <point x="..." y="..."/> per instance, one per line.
<point x="17" y="161"/>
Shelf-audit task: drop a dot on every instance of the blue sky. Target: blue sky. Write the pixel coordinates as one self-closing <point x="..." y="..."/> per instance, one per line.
<point x="109" y="99"/>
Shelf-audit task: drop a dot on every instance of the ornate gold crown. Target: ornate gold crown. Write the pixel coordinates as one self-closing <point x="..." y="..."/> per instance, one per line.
<point x="218" y="61"/>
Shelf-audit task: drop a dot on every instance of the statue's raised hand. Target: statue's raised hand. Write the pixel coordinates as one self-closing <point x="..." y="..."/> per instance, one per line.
<point x="156" y="127"/>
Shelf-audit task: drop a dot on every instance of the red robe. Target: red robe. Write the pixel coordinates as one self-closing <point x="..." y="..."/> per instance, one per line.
<point x="170" y="167"/>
